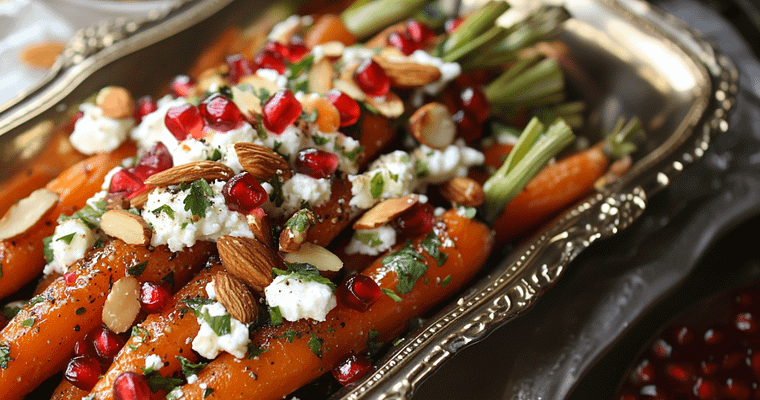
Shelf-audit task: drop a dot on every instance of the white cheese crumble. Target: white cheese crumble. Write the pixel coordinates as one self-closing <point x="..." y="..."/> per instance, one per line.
<point x="372" y="241"/>
<point x="391" y="175"/>
<point x="273" y="75"/>
<point x="288" y="143"/>
<point x="297" y="299"/>
<point x="95" y="132"/>
<point x="152" y="128"/>
<point x="208" y="344"/>
<point x="71" y="240"/>
<point x="225" y="143"/>
<point x="438" y="166"/>
<point x="153" y="362"/>
<point x="345" y="147"/>
<point x="180" y="230"/>
<point x="211" y="291"/>
<point x="449" y="70"/>
<point x="297" y="192"/>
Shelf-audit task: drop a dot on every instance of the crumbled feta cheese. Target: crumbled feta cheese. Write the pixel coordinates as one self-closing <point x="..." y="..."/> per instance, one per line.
<point x="372" y="241"/>
<point x="345" y="147"/>
<point x="153" y="362"/>
<point x="292" y="23"/>
<point x="180" y="230"/>
<point x="297" y="299"/>
<point x="192" y="379"/>
<point x="208" y="344"/>
<point x="297" y="192"/>
<point x="107" y="180"/>
<point x="191" y="150"/>
<point x="152" y="128"/>
<point x="438" y="166"/>
<point x="175" y="394"/>
<point x="210" y="291"/>
<point x="71" y="240"/>
<point x="353" y="54"/>
<point x="225" y="143"/>
<point x="273" y="75"/>
<point x="391" y="175"/>
<point x="288" y="143"/>
<point x="95" y="132"/>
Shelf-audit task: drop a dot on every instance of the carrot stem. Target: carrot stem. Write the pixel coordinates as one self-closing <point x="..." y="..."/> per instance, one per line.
<point x="529" y="84"/>
<point x="474" y="26"/>
<point x="372" y="17"/>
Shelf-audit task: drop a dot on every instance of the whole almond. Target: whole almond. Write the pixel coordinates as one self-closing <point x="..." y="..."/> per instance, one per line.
<point x="432" y="126"/>
<point x="25" y="213"/>
<point x="261" y="227"/>
<point x="390" y="105"/>
<point x="321" y="76"/>
<point x="139" y="201"/>
<point x="463" y="191"/>
<point x="385" y="211"/>
<point x="124" y="225"/>
<point x="191" y="172"/>
<point x="248" y="259"/>
<point x="116" y="102"/>
<point x="235" y="296"/>
<point x="261" y="162"/>
<point x="408" y="74"/>
<point x="122" y="304"/>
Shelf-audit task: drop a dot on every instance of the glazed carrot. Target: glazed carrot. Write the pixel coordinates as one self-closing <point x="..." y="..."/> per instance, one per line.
<point x="163" y="334"/>
<point x="21" y="257"/>
<point x="40" y="338"/>
<point x="328" y="28"/>
<point x="65" y="390"/>
<point x="286" y="366"/>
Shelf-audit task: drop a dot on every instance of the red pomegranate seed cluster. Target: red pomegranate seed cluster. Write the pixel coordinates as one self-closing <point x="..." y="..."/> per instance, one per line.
<point x="416" y="36"/>
<point x="239" y="66"/>
<point x="154" y="296"/>
<point x="129" y="182"/>
<point x="131" y="386"/>
<point x="220" y="113"/>
<point x="145" y="105"/>
<point x="185" y="121"/>
<point x="93" y="355"/>
<point x="347" y="107"/>
<point x="316" y="163"/>
<point x="351" y="368"/>
<point x="281" y="110"/>
<point x="243" y="193"/>
<point x="720" y="361"/>
<point x="358" y="292"/>
<point x="418" y="220"/>
<point x="371" y="78"/>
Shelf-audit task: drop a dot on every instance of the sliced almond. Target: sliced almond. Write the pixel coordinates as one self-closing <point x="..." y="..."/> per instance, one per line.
<point x="124" y="225"/>
<point x="390" y="105"/>
<point x="464" y="191"/>
<point x="247" y="100"/>
<point x="328" y="117"/>
<point x="24" y="214"/>
<point x="432" y="126"/>
<point x="385" y="211"/>
<point x="261" y="162"/>
<point x="122" y="304"/>
<point x="381" y="39"/>
<point x="321" y="76"/>
<point x="332" y="49"/>
<point x="391" y="53"/>
<point x="235" y="296"/>
<point x="261" y="227"/>
<point x="191" y="172"/>
<point x="248" y="259"/>
<point x="116" y="102"/>
<point x="316" y="255"/>
<point x="408" y="74"/>
<point x="349" y="88"/>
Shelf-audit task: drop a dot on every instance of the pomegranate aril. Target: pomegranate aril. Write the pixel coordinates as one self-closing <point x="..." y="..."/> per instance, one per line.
<point x="419" y="32"/>
<point x="156" y="159"/>
<point x="220" y="113"/>
<point x="70" y="278"/>
<point x="709" y="367"/>
<point x="277" y="48"/>
<point x="351" y="368"/>
<point x="713" y="336"/>
<point x="347" y="107"/>
<point x="243" y="193"/>
<point x="734" y="389"/>
<point x="145" y="106"/>
<point x="239" y="66"/>
<point x="281" y="110"/>
<point x="403" y="43"/>
<point x="106" y="344"/>
<point x="130" y="386"/>
<point x="181" y="85"/>
<point x="371" y="78"/>
<point x="468" y="128"/>
<point x="418" y="220"/>
<point x="296" y="52"/>
<point x="705" y="389"/>
<point x="452" y="24"/>
<point x="83" y="346"/>
<point x="643" y="373"/>
<point x="316" y="163"/>
<point x="358" y="292"/>
<point x="680" y="372"/>
<point x="83" y="372"/>
<point x="662" y="349"/>
<point x="184" y="121"/>
<point x="683" y="336"/>
<point x="744" y="322"/>
<point x="270" y="60"/>
<point x="475" y="103"/>
<point x="126" y="183"/>
<point x="154" y="296"/>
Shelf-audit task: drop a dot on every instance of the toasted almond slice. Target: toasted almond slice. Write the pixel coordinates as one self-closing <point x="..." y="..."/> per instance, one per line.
<point x="122" y="304"/>
<point x="350" y="88"/>
<point x="248" y="259"/>
<point x="315" y="255"/>
<point x="432" y="126"/>
<point x="408" y="74"/>
<point x="464" y="191"/>
<point x="333" y="48"/>
<point x="385" y="211"/>
<point x="116" y="102"/>
<point x="390" y="105"/>
<point x="235" y="296"/>
<point x="321" y="76"/>
<point x="391" y="53"/>
<point x="124" y="225"/>
<point x="261" y="162"/>
<point x="247" y="102"/>
<point x="190" y="172"/>
<point x="24" y="214"/>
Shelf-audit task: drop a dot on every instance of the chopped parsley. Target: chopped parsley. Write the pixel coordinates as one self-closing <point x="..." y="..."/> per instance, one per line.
<point x="276" y="146"/>
<point x="36" y="300"/>
<point x="207" y="392"/>
<point x="276" y="197"/>
<point x="47" y="250"/>
<point x="137" y="269"/>
<point x="164" y="209"/>
<point x="89" y="214"/>
<point x="315" y="344"/>
<point x="309" y="117"/>
<point x="226" y="91"/>
<point x="255" y="351"/>
<point x="81" y="310"/>
<point x="408" y="264"/>
<point x="67" y="238"/>
<point x="432" y="244"/>
<point x="301" y="221"/>
<point x="27" y="322"/>
<point x="5" y="355"/>
<point x="10" y="311"/>
<point x="196" y="303"/>
<point x="353" y="154"/>
<point x="301" y="66"/>
<point x="220" y="324"/>
<point x="319" y="140"/>
<point x="275" y="315"/>
<point x="263" y="95"/>
<point x="261" y="132"/>
<point x="291" y="335"/>
<point x="157" y="382"/>
<point x="371" y="239"/>
<point x="373" y="345"/>
<point x="422" y="169"/>
<point x="390" y="293"/>
<point x="169" y="279"/>
<point x="446" y="281"/>
<point x="189" y="369"/>
<point x="304" y="272"/>
<point x="197" y="201"/>
<point x="140" y="332"/>
<point x="376" y="185"/>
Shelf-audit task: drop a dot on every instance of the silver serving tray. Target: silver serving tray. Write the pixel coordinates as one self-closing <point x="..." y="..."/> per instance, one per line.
<point x="631" y="58"/>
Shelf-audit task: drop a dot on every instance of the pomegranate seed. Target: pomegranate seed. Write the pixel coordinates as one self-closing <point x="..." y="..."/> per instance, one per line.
<point x="106" y="344"/>
<point x="70" y="278"/>
<point x="243" y="193"/>
<point x="403" y="43"/>
<point x="280" y="111"/>
<point x="744" y="322"/>
<point x="278" y="49"/>
<point x="351" y="369"/>
<point x="709" y="367"/>
<point x="83" y="346"/>
<point x="181" y="85"/>
<point x="467" y="127"/>
<point x="316" y="163"/>
<point x="130" y="386"/>
<point x="358" y="292"/>
<point x="418" y="31"/>
<point x="713" y="336"/>
<point x="156" y="159"/>
<point x="755" y="364"/>
<point x="679" y="372"/>
<point x="184" y="121"/>
<point x="644" y="373"/>
<point x="239" y="66"/>
<point x="475" y="103"/>
<point x="154" y="296"/>
<point x="735" y="390"/>
<point x="83" y="372"/>
<point x="705" y="389"/>
<point x="297" y="51"/>
<point x="418" y="220"/>
<point x="270" y="60"/>
<point x="220" y="113"/>
<point x="125" y="182"/>
<point x="662" y="349"/>
<point x="452" y="24"/>
<point x="683" y="336"/>
<point x="371" y="78"/>
<point x="145" y="106"/>
<point x="347" y="107"/>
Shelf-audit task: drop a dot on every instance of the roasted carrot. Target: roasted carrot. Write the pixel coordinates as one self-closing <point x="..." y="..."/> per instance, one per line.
<point x="286" y="366"/>
<point x="328" y="28"/>
<point x="21" y="257"/>
<point x="67" y="391"/>
<point x="40" y="338"/>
